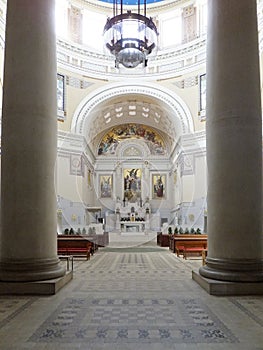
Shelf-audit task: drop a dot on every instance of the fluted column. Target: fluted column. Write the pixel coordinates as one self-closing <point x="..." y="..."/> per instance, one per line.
<point x="234" y="143"/>
<point x="28" y="247"/>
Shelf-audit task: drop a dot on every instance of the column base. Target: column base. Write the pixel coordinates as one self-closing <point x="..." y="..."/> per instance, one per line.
<point x="221" y="288"/>
<point x="29" y="270"/>
<point x="233" y="270"/>
<point x="48" y="287"/>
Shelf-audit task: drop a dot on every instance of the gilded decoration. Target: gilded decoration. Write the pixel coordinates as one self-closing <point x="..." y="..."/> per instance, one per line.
<point x="123" y="132"/>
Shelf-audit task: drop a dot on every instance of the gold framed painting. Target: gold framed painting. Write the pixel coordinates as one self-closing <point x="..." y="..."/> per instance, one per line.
<point x="158" y="186"/>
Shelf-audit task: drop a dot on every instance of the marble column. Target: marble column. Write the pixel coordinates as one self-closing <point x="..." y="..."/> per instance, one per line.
<point x="234" y="143"/>
<point x="28" y="242"/>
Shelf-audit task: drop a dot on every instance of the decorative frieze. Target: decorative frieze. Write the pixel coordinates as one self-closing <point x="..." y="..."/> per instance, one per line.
<point x="165" y="64"/>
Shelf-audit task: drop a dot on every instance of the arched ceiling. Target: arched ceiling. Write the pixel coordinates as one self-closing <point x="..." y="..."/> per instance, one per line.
<point x="140" y="103"/>
<point x="131" y="108"/>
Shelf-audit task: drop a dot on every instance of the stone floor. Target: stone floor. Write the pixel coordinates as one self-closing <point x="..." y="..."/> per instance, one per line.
<point x="132" y="298"/>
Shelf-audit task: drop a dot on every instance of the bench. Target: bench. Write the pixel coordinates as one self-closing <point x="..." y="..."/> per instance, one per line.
<point x="182" y="240"/>
<point x="179" y="249"/>
<point x="68" y="258"/>
<point x="75" y="246"/>
<point x="193" y="248"/>
<point x="85" y="251"/>
<point x="163" y="239"/>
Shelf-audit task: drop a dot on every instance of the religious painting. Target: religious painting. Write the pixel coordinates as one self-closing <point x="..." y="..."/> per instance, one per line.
<point x="202" y="90"/>
<point x="158" y="186"/>
<point x="60" y="95"/>
<point x="132" y="184"/>
<point x="123" y="132"/>
<point x="105" y="183"/>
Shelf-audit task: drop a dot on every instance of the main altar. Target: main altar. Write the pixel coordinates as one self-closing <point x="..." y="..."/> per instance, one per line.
<point x="132" y="216"/>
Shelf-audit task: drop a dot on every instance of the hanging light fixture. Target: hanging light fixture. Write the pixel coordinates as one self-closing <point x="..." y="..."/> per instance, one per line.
<point x="130" y="37"/>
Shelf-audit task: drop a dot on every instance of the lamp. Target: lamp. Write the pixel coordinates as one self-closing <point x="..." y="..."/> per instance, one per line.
<point x="130" y="37"/>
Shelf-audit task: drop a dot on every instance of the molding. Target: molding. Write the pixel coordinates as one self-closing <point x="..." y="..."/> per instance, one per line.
<point x="166" y="64"/>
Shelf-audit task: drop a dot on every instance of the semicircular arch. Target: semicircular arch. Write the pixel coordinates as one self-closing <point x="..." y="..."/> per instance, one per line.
<point x="181" y="115"/>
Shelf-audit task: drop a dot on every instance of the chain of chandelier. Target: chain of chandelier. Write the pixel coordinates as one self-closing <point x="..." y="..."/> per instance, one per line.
<point x="131" y="37"/>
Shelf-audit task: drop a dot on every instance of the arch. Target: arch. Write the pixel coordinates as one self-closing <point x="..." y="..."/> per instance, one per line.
<point x="122" y="150"/>
<point x="80" y="118"/>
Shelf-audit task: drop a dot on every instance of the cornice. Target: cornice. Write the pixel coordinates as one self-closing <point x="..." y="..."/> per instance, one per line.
<point x="165" y="65"/>
<point x="154" y="7"/>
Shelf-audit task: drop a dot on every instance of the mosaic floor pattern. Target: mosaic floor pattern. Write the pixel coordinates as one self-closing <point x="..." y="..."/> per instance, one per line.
<point x="132" y="300"/>
<point x="133" y="320"/>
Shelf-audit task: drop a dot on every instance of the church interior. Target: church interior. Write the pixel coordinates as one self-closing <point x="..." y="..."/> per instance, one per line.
<point x="131" y="174"/>
<point x="142" y="121"/>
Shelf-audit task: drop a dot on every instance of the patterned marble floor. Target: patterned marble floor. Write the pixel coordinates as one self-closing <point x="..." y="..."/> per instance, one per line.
<point x="136" y="298"/>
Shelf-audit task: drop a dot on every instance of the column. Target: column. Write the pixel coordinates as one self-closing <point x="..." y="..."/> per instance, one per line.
<point x="118" y="181"/>
<point x="146" y="181"/>
<point x="28" y="242"/>
<point x="234" y="143"/>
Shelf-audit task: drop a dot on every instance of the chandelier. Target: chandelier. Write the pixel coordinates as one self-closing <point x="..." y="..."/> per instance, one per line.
<point x="130" y="37"/>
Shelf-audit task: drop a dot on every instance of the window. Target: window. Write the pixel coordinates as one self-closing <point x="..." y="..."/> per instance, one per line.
<point x="61" y="18"/>
<point x="171" y="30"/>
<point x="203" y="19"/>
<point x="92" y="31"/>
<point x="60" y="96"/>
<point x="202" y="96"/>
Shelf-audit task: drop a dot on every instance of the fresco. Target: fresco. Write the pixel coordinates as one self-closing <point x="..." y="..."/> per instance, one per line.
<point x="123" y="132"/>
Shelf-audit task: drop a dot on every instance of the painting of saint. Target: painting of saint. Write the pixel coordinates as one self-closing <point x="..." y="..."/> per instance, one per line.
<point x="159" y="183"/>
<point x="105" y="186"/>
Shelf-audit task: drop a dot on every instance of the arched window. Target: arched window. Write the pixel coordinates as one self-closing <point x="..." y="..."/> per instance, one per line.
<point x="61" y="18"/>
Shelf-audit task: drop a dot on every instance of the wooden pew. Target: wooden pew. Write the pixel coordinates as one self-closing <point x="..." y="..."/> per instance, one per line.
<point x="192" y="247"/>
<point x="163" y="239"/>
<point x="194" y="241"/>
<point x="76" y="246"/>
